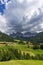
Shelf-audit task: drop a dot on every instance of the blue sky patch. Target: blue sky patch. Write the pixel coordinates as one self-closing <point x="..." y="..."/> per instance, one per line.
<point x="2" y="7"/>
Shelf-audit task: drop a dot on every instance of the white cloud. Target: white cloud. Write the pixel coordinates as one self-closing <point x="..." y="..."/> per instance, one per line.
<point x="23" y="15"/>
<point x="20" y="1"/>
<point x="3" y="23"/>
<point x="28" y="9"/>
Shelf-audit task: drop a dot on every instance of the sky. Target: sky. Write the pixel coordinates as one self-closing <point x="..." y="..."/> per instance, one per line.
<point x="21" y="16"/>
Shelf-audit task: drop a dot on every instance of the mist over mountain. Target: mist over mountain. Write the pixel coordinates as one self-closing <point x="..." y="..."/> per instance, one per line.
<point x="23" y="35"/>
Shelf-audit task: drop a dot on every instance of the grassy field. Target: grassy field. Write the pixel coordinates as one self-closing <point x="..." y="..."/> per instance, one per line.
<point x="22" y="62"/>
<point x="24" y="48"/>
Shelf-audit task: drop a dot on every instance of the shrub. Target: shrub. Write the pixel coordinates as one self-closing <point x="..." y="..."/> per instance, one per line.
<point x="36" y="47"/>
<point x="33" y="57"/>
<point x="27" y="56"/>
<point x="41" y="46"/>
<point x="20" y="55"/>
<point x="24" y="55"/>
<point x="21" y="42"/>
<point x="1" y="55"/>
<point x="28" y="46"/>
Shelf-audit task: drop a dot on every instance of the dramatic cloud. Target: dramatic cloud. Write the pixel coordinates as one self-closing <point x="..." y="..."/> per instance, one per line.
<point x="24" y="15"/>
<point x="2" y="23"/>
<point x="3" y="20"/>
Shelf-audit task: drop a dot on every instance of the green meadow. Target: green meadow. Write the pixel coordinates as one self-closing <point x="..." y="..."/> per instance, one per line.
<point x="22" y="48"/>
<point x="22" y="62"/>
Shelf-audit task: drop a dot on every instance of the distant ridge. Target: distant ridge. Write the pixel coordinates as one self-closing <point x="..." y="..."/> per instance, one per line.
<point x="38" y="38"/>
<point x="22" y="35"/>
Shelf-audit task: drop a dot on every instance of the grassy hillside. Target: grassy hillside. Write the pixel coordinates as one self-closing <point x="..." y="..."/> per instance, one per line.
<point x="21" y="47"/>
<point x="11" y="47"/>
<point x="22" y="62"/>
<point x="9" y="50"/>
<point x="5" y="37"/>
<point x="24" y="48"/>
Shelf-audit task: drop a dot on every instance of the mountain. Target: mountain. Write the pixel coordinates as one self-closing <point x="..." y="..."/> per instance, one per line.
<point x="16" y="35"/>
<point x="38" y="38"/>
<point x="13" y="35"/>
<point x="29" y="34"/>
<point x="5" y="37"/>
<point x="32" y="37"/>
<point x="23" y="36"/>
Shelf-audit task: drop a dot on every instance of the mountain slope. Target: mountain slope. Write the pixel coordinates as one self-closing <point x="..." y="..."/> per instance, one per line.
<point x="25" y="35"/>
<point x="38" y="38"/>
<point x="5" y="37"/>
<point x="29" y="34"/>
